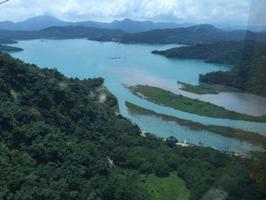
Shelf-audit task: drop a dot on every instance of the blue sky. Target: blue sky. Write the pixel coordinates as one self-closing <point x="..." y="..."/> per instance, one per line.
<point x="238" y="12"/>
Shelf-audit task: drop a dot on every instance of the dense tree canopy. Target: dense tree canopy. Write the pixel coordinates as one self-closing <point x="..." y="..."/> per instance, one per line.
<point x="248" y="59"/>
<point x="58" y="141"/>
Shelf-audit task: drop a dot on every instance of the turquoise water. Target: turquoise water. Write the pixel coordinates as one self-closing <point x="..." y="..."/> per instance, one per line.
<point x="134" y="64"/>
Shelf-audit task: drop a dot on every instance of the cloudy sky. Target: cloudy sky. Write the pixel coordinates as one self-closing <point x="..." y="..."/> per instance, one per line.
<point x="238" y="12"/>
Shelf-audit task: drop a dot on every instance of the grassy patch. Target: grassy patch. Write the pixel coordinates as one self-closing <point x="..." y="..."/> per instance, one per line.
<point x="201" y="89"/>
<point x="185" y="104"/>
<point x="204" y="88"/>
<point x="170" y="188"/>
<point x="221" y="130"/>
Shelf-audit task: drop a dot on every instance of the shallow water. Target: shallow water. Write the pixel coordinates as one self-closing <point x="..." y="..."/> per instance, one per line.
<point x="134" y="64"/>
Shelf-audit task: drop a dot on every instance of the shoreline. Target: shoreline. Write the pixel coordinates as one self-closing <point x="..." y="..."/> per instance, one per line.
<point x="204" y="88"/>
<point x="241" y="135"/>
<point x="185" y="104"/>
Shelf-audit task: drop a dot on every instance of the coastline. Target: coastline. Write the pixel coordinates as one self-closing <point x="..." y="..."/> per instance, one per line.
<point x="182" y="103"/>
<point x="221" y="130"/>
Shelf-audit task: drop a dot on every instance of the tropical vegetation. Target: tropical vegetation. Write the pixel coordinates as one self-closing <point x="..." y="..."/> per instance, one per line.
<point x="59" y="141"/>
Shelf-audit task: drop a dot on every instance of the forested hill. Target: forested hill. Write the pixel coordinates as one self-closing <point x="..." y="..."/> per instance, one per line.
<point x="197" y="34"/>
<point x="229" y="52"/>
<point x="5" y="48"/>
<point x="248" y="59"/>
<point x="7" y="37"/>
<point x="59" y="140"/>
<point x="69" y="32"/>
<point x="188" y="35"/>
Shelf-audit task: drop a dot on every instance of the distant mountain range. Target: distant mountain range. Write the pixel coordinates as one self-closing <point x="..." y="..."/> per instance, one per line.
<point x="190" y="35"/>
<point x="126" y="31"/>
<point x="126" y="25"/>
<point x="197" y="34"/>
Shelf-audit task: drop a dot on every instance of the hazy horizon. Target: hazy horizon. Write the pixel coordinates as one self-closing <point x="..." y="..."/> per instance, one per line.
<point x="241" y="13"/>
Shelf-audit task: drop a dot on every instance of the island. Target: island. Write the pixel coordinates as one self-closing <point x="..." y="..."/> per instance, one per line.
<point x="221" y="130"/>
<point x="186" y="104"/>
<point x="204" y="88"/>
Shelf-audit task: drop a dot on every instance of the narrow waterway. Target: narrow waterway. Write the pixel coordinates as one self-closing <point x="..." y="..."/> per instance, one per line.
<point x="134" y="64"/>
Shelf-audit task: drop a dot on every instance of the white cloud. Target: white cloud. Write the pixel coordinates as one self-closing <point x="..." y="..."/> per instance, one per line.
<point x="197" y="11"/>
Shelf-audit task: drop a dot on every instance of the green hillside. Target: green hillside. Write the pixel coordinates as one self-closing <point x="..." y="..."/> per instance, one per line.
<point x="59" y="141"/>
